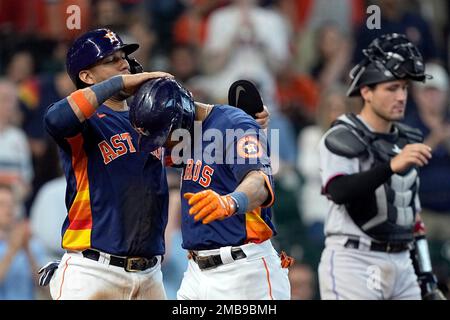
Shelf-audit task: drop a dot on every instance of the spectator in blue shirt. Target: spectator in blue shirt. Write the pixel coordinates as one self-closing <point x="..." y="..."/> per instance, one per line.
<point x="20" y="256"/>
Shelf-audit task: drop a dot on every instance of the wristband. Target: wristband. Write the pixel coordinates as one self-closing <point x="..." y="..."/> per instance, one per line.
<point x="106" y="89"/>
<point x="241" y="200"/>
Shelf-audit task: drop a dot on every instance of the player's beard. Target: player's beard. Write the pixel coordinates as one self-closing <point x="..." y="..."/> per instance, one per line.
<point x="390" y="117"/>
<point x="388" y="114"/>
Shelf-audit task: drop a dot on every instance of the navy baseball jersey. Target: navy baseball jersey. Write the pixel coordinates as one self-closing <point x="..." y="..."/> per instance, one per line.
<point x="234" y="157"/>
<point x="116" y="197"/>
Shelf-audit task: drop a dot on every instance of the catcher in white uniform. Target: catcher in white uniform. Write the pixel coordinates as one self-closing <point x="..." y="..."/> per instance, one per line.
<point x="369" y="167"/>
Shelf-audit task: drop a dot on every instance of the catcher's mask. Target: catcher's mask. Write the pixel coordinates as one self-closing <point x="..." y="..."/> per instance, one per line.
<point x="387" y="58"/>
<point x="159" y="107"/>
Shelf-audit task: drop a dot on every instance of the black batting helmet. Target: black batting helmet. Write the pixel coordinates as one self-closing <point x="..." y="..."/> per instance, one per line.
<point x="91" y="47"/>
<point x="160" y="106"/>
<point x="387" y="58"/>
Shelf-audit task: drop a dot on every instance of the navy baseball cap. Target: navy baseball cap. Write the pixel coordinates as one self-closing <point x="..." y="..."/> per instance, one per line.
<point x="91" y="47"/>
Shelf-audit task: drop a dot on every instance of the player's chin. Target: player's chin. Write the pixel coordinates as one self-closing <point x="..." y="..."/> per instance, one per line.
<point x="397" y="114"/>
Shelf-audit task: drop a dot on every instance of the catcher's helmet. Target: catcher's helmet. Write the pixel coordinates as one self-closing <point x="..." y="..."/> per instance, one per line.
<point x="159" y="107"/>
<point x="387" y="58"/>
<point x="91" y="47"/>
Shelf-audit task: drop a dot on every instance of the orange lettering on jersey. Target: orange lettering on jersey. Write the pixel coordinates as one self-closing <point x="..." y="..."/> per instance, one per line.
<point x="118" y="145"/>
<point x="127" y="136"/>
<point x="107" y="152"/>
<point x="188" y="169"/>
<point x="205" y="180"/>
<point x="197" y="168"/>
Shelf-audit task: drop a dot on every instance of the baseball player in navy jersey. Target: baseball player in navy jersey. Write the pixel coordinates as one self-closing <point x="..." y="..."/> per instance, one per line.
<point x="226" y="216"/>
<point x="369" y="167"/>
<point x="116" y="197"/>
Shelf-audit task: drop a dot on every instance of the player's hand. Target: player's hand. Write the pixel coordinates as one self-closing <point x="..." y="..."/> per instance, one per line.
<point x="263" y="118"/>
<point x="209" y="206"/>
<point x="412" y="154"/>
<point x="132" y="82"/>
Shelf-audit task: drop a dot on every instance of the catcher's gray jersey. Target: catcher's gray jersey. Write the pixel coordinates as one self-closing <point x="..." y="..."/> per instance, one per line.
<point x="351" y="267"/>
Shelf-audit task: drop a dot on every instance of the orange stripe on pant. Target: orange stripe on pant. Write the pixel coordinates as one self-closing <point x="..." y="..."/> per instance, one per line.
<point x="268" y="278"/>
<point x="62" y="280"/>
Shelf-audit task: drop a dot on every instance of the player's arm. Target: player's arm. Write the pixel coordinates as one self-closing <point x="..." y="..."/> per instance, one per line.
<point x="253" y="192"/>
<point x="251" y="166"/>
<point x="64" y="117"/>
<point x="257" y="189"/>
<point x="343" y="188"/>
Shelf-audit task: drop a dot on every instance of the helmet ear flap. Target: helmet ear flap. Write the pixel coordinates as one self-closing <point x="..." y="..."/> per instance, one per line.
<point x="135" y="66"/>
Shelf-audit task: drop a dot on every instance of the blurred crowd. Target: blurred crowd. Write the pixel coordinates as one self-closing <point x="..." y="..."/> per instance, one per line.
<point x="298" y="53"/>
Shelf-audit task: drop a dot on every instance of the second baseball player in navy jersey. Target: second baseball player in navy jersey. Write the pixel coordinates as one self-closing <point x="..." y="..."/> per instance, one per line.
<point x="232" y="257"/>
<point x="255" y="226"/>
<point x="226" y="191"/>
